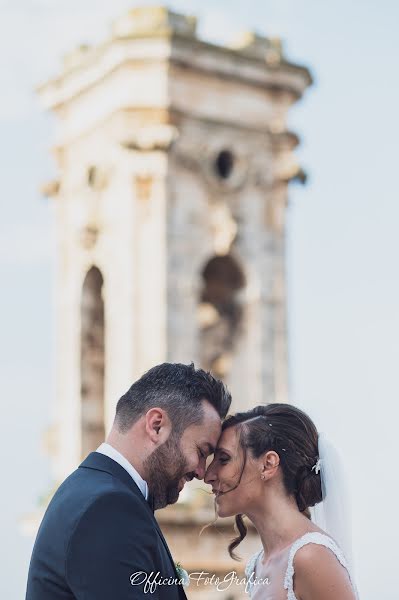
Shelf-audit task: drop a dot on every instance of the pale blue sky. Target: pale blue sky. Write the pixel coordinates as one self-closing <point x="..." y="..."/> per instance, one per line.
<point x="342" y="240"/>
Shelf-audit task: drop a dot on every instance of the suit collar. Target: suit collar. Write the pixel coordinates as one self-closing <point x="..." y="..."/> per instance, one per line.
<point x="113" y="453"/>
<point x="101" y="462"/>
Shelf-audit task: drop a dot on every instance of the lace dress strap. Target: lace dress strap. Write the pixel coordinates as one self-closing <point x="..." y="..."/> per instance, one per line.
<point x="250" y="571"/>
<point x="313" y="537"/>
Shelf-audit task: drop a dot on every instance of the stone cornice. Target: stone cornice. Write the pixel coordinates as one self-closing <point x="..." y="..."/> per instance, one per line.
<point x="153" y="116"/>
<point x="86" y="66"/>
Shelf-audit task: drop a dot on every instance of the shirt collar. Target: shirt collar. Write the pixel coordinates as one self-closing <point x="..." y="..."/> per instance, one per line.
<point x="111" y="452"/>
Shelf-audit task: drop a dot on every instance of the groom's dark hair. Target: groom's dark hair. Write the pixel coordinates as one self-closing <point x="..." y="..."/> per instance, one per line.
<point x="177" y="388"/>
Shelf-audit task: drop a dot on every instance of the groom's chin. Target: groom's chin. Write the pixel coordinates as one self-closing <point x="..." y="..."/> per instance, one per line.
<point x="173" y="495"/>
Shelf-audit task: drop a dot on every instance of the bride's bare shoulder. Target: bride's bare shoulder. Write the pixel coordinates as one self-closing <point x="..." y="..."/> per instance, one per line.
<point x="320" y="576"/>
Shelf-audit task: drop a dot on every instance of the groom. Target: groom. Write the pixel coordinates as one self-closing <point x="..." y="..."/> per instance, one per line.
<point x="99" y="539"/>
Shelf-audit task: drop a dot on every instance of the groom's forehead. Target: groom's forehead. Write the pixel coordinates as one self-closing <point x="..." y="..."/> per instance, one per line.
<point x="208" y="431"/>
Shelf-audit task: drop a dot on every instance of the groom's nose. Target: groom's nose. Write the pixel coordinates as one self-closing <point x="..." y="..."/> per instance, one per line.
<point x="209" y="475"/>
<point x="200" y="470"/>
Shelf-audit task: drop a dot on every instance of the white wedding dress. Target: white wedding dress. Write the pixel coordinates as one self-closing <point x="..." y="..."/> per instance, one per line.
<point x="313" y="537"/>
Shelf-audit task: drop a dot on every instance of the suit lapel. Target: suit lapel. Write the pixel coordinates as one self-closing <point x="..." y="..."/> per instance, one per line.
<point x="100" y="462"/>
<point x="151" y="504"/>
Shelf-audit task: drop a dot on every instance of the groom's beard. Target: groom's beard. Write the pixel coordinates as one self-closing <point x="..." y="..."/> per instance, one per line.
<point x="164" y="469"/>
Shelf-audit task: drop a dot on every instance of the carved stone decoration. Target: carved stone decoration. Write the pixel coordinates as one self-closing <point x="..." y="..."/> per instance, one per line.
<point x="223" y="227"/>
<point x="50" y="189"/>
<point x="89" y="236"/>
<point x="143" y="187"/>
<point x="151" y="138"/>
<point x="97" y="177"/>
<point x="258" y="46"/>
<point x="153" y="19"/>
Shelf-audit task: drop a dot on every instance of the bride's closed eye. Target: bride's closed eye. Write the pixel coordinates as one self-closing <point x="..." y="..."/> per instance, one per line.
<point x="223" y="459"/>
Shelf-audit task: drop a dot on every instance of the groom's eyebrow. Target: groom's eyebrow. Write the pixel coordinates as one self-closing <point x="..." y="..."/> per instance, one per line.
<point x="211" y="449"/>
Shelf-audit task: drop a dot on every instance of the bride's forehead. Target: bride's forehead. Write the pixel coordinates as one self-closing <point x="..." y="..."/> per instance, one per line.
<point x="228" y="438"/>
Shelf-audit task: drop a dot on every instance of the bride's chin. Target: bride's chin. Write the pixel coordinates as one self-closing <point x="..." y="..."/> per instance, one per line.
<point x="223" y="511"/>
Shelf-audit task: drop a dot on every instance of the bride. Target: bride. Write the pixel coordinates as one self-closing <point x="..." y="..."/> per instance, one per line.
<point x="268" y="466"/>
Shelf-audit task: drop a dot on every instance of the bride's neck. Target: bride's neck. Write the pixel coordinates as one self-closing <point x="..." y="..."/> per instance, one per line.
<point x="279" y="523"/>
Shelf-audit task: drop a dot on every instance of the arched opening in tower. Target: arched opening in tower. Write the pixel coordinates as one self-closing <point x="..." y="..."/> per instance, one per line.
<point x="220" y="313"/>
<point x="92" y="362"/>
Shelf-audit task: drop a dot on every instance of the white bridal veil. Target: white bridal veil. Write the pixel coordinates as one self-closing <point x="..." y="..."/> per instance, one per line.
<point x="333" y="514"/>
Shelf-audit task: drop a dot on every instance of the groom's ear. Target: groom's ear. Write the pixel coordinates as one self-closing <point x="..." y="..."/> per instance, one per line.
<point x="158" y="426"/>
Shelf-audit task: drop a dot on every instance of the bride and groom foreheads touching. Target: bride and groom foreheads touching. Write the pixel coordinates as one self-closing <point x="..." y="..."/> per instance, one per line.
<point x="99" y="539"/>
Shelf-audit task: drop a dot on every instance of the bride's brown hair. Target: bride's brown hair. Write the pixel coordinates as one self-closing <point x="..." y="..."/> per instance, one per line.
<point x="290" y="433"/>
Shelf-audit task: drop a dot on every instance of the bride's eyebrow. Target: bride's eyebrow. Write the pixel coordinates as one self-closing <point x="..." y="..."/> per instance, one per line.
<point x="220" y="449"/>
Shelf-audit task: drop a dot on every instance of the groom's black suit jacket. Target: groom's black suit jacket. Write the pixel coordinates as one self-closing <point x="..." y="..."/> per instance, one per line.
<point x="97" y="531"/>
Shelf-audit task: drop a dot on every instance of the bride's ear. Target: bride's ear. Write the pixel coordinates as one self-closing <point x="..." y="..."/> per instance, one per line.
<point x="270" y="463"/>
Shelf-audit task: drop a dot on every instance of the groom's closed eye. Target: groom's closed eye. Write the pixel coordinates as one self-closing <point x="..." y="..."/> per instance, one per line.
<point x="210" y="448"/>
<point x="206" y="450"/>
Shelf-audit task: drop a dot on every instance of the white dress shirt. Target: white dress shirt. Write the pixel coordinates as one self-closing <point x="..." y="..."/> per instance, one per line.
<point x="110" y="451"/>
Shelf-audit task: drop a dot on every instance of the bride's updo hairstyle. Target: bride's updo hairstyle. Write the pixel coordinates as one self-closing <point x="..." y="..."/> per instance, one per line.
<point x="290" y="433"/>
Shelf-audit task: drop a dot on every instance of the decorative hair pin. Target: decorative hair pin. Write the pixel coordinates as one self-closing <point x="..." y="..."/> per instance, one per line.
<point x="316" y="467"/>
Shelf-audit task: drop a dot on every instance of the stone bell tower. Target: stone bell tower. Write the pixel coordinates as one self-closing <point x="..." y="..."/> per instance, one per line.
<point x="174" y="160"/>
